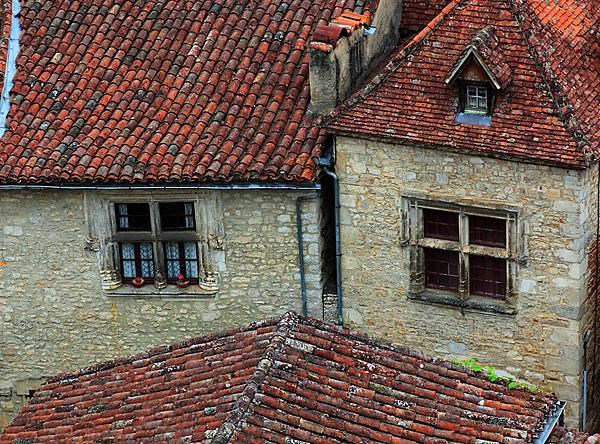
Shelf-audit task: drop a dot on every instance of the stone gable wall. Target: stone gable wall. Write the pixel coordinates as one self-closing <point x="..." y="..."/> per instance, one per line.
<point x="55" y="317"/>
<point x="541" y="343"/>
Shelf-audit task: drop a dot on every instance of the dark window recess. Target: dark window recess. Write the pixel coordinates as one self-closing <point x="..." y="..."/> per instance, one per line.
<point x="487" y="231"/>
<point x="133" y="216"/>
<point x="440" y="224"/>
<point x="137" y="260"/>
<point x="177" y="216"/>
<point x="487" y="276"/>
<point x="181" y="258"/>
<point x="356" y="60"/>
<point x="441" y="269"/>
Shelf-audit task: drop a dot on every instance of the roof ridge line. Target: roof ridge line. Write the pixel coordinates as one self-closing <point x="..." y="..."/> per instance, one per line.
<point x="392" y="65"/>
<point x="252" y="386"/>
<point x="559" y="98"/>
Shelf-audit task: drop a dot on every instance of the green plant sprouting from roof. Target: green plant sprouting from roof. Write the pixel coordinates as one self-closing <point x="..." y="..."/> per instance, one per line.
<point x="510" y="382"/>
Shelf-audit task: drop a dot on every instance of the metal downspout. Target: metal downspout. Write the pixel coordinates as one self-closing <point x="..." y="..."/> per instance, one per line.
<point x="299" y="231"/>
<point x="338" y="248"/>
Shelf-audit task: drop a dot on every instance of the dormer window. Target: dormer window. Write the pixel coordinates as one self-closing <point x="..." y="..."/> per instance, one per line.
<point x="481" y="73"/>
<point x="476" y="99"/>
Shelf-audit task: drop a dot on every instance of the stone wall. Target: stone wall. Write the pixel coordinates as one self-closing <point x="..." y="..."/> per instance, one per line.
<point x="541" y="341"/>
<point x="55" y="317"/>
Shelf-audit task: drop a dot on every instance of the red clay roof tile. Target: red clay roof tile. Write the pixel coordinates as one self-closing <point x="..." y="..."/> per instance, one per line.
<point x="128" y="80"/>
<point x="548" y="114"/>
<point x="291" y="380"/>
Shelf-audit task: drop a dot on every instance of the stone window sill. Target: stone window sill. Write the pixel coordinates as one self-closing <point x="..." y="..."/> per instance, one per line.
<point x="169" y="292"/>
<point x="473" y="303"/>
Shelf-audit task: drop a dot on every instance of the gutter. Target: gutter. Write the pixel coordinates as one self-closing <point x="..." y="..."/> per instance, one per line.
<point x="326" y="163"/>
<point x="207" y="186"/>
<point x="11" y="64"/>
<point x="550" y="423"/>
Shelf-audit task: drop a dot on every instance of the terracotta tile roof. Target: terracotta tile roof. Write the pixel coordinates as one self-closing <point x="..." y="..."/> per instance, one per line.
<point x="548" y="114"/>
<point x="164" y="91"/>
<point x="292" y="380"/>
<point x="416" y="14"/>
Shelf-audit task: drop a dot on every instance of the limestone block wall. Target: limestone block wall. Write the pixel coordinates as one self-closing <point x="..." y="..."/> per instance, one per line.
<point x="55" y="317"/>
<point x="541" y="342"/>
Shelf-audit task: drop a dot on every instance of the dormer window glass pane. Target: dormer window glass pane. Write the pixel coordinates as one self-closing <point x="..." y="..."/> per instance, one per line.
<point x="476" y="100"/>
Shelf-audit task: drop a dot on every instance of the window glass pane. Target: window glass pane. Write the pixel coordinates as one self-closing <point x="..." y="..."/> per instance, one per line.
<point x="133" y="216"/>
<point x="487" y="276"/>
<point x="173" y="269"/>
<point x="172" y="254"/>
<point x="128" y="269"/>
<point x="190" y="250"/>
<point x="127" y="251"/>
<point x="147" y="269"/>
<point x="487" y="231"/>
<point x="440" y="224"/>
<point x="441" y="269"/>
<point x="191" y="269"/>
<point x="177" y="216"/>
<point x="172" y="250"/>
<point x="146" y="251"/>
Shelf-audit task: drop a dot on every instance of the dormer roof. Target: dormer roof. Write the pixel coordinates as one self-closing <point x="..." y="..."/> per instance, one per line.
<point x="485" y="50"/>
<point x="547" y="114"/>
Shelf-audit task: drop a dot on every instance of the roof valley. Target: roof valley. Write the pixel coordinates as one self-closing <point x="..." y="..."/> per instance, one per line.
<point x="226" y="431"/>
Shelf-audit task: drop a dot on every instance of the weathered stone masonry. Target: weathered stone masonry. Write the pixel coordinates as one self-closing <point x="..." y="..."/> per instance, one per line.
<point x="55" y="316"/>
<point x="555" y="208"/>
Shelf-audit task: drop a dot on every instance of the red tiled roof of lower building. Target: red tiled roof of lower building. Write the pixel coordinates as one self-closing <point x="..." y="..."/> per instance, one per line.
<point x="295" y="379"/>
<point x="548" y="114"/>
<point x="164" y="91"/>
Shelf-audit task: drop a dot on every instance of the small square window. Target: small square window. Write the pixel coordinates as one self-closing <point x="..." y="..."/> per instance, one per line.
<point x="177" y="216"/>
<point x="476" y="99"/>
<point x="487" y="276"/>
<point x="487" y="231"/>
<point x="440" y="224"/>
<point x="133" y="216"/>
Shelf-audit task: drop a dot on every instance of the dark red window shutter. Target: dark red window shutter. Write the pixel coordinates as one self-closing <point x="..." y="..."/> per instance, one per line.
<point x="487" y="231"/>
<point x="440" y="224"/>
<point x="487" y="276"/>
<point x="441" y="269"/>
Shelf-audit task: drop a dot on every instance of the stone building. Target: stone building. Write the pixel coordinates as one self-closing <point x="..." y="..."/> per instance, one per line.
<point x="159" y="174"/>
<point x="468" y="174"/>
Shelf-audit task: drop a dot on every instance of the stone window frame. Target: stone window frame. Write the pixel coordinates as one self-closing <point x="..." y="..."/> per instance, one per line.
<point x="515" y="253"/>
<point x="104" y="238"/>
